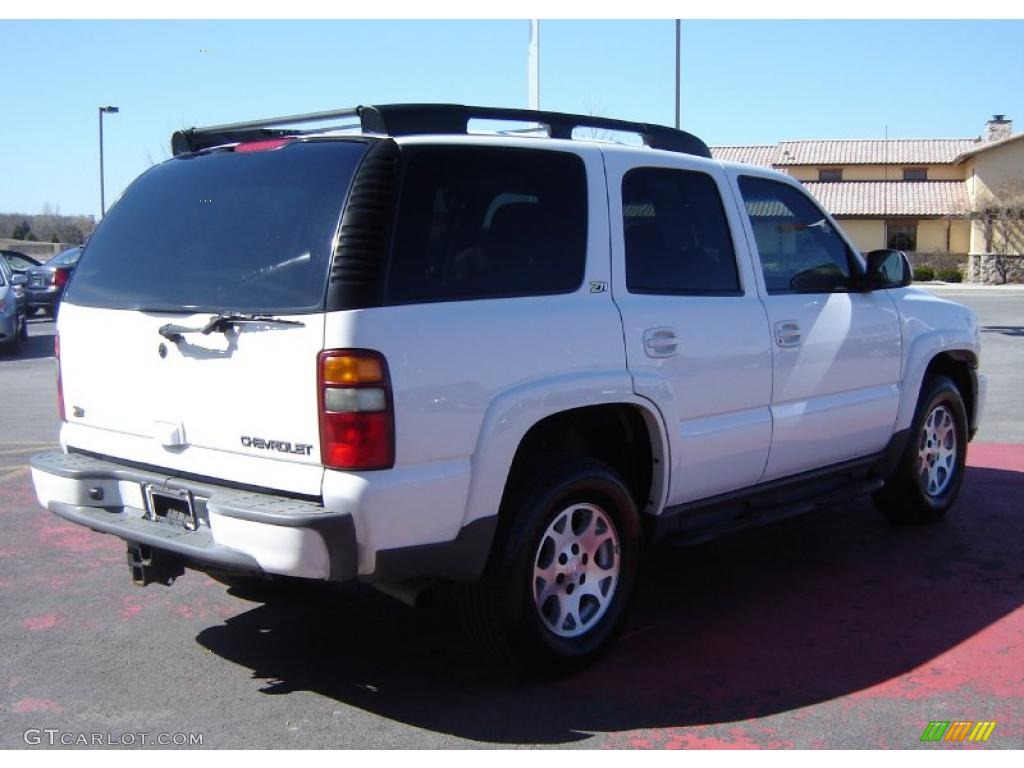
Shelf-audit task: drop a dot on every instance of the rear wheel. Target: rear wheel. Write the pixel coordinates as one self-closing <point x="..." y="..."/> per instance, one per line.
<point x="931" y="471"/>
<point x="556" y="590"/>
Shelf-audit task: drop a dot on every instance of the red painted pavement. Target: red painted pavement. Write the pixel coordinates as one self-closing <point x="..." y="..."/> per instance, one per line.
<point x="835" y="629"/>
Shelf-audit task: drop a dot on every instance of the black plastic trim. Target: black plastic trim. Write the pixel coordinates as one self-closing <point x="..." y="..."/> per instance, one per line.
<point x="462" y="559"/>
<point x="360" y="257"/>
<point x="780" y="499"/>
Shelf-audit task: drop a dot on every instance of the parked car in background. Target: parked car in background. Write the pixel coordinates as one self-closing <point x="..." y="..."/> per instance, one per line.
<point x="12" y="307"/>
<point x="19" y="262"/>
<point x="46" y="282"/>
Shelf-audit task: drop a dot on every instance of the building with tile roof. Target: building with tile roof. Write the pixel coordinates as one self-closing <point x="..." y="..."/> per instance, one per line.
<point x="919" y="195"/>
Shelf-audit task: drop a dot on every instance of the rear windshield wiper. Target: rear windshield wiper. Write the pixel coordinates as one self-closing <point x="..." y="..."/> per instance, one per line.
<point x="220" y="322"/>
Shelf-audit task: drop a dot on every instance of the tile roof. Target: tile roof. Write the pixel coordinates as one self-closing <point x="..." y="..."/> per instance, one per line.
<point x="872" y="151"/>
<point x="891" y="198"/>
<point x="852" y="152"/>
<point x="988" y="145"/>
<point x="758" y="154"/>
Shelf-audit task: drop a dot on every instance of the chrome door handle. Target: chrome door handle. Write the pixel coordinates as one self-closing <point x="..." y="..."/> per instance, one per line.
<point x="788" y="334"/>
<point x="661" y="342"/>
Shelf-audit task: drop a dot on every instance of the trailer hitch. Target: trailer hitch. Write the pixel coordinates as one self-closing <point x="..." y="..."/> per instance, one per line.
<point x="152" y="566"/>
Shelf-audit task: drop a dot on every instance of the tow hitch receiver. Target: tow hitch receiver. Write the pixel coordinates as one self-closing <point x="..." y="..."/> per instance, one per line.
<point x="151" y="566"/>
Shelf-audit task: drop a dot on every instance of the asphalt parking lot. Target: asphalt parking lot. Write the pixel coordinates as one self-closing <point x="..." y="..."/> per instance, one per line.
<point x="832" y="630"/>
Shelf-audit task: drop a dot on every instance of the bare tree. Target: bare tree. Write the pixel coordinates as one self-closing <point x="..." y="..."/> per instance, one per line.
<point x="1000" y="214"/>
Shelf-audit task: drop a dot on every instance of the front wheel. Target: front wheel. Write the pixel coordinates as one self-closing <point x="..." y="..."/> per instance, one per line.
<point x="931" y="471"/>
<point x="559" y="581"/>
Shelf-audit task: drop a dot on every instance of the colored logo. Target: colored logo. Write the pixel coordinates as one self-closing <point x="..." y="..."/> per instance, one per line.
<point x="958" y="730"/>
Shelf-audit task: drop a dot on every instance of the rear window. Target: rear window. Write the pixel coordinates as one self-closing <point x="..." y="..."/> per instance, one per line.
<point x="479" y="223"/>
<point x="247" y="232"/>
<point x="66" y="258"/>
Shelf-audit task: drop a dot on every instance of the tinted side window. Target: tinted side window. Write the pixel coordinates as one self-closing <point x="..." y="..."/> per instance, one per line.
<point x="800" y="251"/>
<point x="477" y="223"/>
<point x="677" y="235"/>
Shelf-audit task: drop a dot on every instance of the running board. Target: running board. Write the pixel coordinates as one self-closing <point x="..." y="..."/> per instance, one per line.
<point x="697" y="522"/>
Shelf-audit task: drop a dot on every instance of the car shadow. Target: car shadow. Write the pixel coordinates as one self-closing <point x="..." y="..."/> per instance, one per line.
<point x="1005" y="330"/>
<point x="35" y="347"/>
<point x="758" y="623"/>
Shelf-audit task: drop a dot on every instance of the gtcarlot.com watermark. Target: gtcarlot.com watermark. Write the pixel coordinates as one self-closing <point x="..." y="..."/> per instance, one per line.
<point x="54" y="737"/>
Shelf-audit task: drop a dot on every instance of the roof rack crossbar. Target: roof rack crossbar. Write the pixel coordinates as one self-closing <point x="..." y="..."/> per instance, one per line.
<point x="426" y="119"/>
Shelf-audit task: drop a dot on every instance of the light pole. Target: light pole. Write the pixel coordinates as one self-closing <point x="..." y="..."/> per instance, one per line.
<point x="103" y="202"/>
<point x="677" y="73"/>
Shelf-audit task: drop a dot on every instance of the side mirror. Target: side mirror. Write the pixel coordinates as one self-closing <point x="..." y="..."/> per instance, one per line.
<point x="19" y="279"/>
<point x="888" y="268"/>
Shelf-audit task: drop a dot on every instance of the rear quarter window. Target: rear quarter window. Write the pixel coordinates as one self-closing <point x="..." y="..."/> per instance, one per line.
<point x="482" y="222"/>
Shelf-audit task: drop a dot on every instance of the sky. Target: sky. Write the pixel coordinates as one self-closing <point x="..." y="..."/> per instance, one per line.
<point x="743" y="82"/>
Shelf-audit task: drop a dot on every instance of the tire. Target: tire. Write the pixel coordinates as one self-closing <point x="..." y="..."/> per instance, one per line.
<point x="575" y="521"/>
<point x="931" y="471"/>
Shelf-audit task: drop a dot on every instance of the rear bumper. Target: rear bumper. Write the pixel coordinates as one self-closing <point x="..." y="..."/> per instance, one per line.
<point x="238" y="530"/>
<point x="43" y="297"/>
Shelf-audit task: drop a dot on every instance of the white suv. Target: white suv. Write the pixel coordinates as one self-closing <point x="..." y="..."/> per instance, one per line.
<point x="415" y="353"/>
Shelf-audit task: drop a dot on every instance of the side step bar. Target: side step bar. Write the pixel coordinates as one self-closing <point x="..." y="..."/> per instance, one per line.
<point x="768" y="503"/>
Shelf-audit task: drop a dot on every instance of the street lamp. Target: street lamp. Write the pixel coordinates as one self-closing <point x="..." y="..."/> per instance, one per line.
<point x="103" y="202"/>
<point x="678" y="117"/>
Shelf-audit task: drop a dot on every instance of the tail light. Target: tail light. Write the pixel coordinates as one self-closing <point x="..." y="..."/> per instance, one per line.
<point x="357" y="428"/>
<point x="60" y="384"/>
<point x="60" y="277"/>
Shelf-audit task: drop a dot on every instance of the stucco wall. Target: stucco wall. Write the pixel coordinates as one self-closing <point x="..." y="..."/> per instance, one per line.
<point x="931" y="236"/>
<point x="867" y="234"/>
<point x="960" y="237"/>
<point x="996" y="172"/>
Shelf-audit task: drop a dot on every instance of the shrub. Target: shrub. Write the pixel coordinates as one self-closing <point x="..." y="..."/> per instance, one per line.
<point x="924" y="272"/>
<point x="949" y="275"/>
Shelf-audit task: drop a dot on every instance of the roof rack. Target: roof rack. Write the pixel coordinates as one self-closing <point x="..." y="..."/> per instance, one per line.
<point x="419" y="119"/>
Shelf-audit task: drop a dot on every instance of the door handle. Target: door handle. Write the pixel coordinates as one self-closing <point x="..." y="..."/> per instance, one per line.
<point x="661" y="342"/>
<point x="788" y="334"/>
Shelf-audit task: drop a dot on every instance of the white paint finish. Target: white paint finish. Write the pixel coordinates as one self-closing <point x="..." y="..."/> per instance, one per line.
<point x="515" y="411"/>
<point x="286" y="476"/>
<point x="836" y="363"/>
<point x="208" y="391"/>
<point x="714" y="391"/>
<point x="722" y="453"/>
<point x="929" y="326"/>
<point x="450" y="363"/>
<point x="830" y="429"/>
<point x="279" y="549"/>
<point x="402" y="507"/>
<point x="828" y="389"/>
<point x="116" y="493"/>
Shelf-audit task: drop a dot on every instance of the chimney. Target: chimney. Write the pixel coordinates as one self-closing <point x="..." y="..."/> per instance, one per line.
<point x="998" y="128"/>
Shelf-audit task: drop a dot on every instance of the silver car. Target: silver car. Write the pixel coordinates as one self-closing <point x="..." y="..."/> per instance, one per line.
<point x="13" y="327"/>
